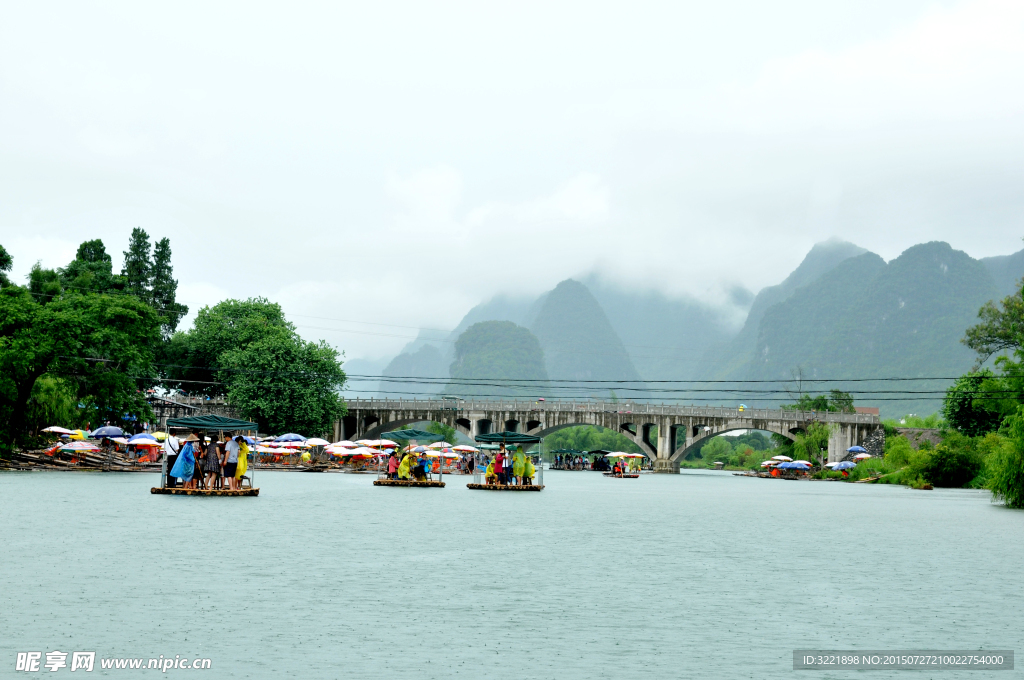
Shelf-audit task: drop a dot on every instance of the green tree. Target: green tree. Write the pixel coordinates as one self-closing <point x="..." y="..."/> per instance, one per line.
<point x="589" y="438"/>
<point x="1006" y="464"/>
<point x="286" y="384"/>
<point x="91" y="270"/>
<point x="446" y="431"/>
<point x="54" y="401"/>
<point x="44" y="284"/>
<point x="1001" y="327"/>
<point x="101" y="344"/>
<point x="966" y="408"/>
<point x="248" y="351"/>
<point x="834" y="401"/>
<point x="195" y="356"/>
<point x="812" y="444"/>
<point x="138" y="265"/>
<point x="717" y="450"/>
<point x="165" y="288"/>
<point x="6" y="262"/>
<point x="953" y="463"/>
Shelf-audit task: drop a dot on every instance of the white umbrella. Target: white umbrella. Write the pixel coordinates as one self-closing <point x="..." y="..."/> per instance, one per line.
<point x="58" y="430"/>
<point x="440" y="445"/>
<point x="376" y="443"/>
<point x="466" y="449"/>
<point x="315" y="442"/>
<point x="862" y="456"/>
<point x="782" y="458"/>
<point x="346" y="444"/>
<point x="830" y="464"/>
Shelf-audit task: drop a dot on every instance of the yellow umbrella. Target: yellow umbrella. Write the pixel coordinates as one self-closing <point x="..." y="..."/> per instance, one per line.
<point x="159" y="436"/>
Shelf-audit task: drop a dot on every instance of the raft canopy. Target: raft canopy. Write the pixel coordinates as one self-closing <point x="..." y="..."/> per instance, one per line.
<point x="211" y="422"/>
<point x="507" y="438"/>
<point x="418" y="435"/>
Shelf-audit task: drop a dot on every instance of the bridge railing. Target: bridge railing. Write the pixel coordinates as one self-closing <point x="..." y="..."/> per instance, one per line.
<point x="622" y="408"/>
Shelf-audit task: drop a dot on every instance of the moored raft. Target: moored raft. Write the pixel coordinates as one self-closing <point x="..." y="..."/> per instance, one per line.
<point x="407" y="482"/>
<point x="621" y="475"/>
<point x="178" y="491"/>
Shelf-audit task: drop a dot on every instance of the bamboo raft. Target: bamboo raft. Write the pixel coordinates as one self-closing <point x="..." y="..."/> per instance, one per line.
<point x="112" y="461"/>
<point x="406" y="482"/>
<point x="506" y="487"/>
<point x="621" y="476"/>
<point x="177" y="491"/>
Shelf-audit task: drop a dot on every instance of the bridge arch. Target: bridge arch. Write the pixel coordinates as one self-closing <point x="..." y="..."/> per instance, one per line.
<point x="683" y="450"/>
<point x="652" y="453"/>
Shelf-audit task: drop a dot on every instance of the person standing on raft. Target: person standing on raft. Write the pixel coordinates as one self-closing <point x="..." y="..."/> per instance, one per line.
<point x="518" y="465"/>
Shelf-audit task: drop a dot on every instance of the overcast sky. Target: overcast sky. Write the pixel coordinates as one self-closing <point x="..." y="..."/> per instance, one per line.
<point x="380" y="166"/>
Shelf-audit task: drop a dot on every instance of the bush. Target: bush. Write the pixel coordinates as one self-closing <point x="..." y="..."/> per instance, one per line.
<point x="1006" y="465"/>
<point x="952" y="468"/>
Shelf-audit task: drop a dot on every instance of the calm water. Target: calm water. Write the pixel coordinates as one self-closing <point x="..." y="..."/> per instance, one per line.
<point x="326" y="576"/>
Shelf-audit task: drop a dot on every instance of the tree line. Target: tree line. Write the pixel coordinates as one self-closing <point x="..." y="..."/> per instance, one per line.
<point x="81" y="345"/>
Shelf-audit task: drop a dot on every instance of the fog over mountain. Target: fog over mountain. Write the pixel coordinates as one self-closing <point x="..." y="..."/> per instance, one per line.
<point x="842" y="313"/>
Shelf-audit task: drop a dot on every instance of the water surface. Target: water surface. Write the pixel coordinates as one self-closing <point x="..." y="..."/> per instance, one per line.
<point x="325" y="576"/>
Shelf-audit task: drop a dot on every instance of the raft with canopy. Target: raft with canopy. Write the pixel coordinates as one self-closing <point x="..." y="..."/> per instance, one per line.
<point x="405" y="469"/>
<point x="622" y="456"/>
<point x="515" y="439"/>
<point x="209" y="423"/>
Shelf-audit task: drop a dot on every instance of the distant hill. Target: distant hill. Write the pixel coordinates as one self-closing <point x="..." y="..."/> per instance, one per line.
<point x="500" y="350"/>
<point x="866" y="318"/>
<point x="667" y="337"/>
<point x="578" y="340"/>
<point x="1006" y="271"/>
<point x="426" y="362"/>
<point x="730" y="360"/>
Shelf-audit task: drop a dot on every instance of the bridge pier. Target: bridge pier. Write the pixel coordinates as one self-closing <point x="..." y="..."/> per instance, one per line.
<point x="666" y="466"/>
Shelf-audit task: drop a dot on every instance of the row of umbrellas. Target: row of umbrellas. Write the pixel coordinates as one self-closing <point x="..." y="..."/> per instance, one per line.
<point x="787" y="463"/>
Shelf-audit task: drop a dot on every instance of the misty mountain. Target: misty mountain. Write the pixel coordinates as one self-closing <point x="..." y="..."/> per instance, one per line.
<point x="667" y="337"/>
<point x="867" y="319"/>
<point x="730" y="360"/>
<point x="578" y="340"/>
<point x="498" y="350"/>
<point x="1006" y="271"/>
<point x="425" y="362"/>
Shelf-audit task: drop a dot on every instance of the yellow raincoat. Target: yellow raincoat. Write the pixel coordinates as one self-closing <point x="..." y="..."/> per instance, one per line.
<point x="406" y="466"/>
<point x="531" y="470"/>
<point x="243" y="460"/>
<point x="518" y="463"/>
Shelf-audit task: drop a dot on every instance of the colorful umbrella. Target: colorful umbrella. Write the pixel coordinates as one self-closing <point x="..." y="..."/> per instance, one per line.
<point x="79" y="447"/>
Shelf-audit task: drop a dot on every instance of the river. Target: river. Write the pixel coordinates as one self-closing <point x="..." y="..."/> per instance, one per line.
<point x="323" y="575"/>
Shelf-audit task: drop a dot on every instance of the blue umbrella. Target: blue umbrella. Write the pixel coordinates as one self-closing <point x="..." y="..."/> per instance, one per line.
<point x="290" y="437"/>
<point x="845" y="465"/>
<point x="856" y="449"/>
<point x="108" y="431"/>
<point x="792" y="466"/>
<point x="141" y="436"/>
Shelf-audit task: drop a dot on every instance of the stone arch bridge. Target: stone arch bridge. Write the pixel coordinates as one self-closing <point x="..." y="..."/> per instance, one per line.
<point x="656" y="428"/>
